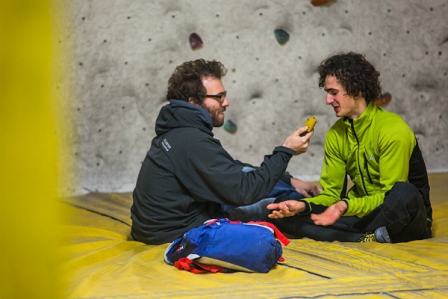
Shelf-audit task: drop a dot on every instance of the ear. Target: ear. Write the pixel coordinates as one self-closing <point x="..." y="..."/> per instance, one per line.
<point x="193" y="101"/>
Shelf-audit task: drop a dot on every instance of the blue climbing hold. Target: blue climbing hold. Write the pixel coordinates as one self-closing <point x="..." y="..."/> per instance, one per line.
<point x="281" y="35"/>
<point x="230" y="126"/>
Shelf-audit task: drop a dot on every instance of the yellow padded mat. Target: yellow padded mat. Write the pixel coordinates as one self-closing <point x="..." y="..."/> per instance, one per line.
<point x="101" y="261"/>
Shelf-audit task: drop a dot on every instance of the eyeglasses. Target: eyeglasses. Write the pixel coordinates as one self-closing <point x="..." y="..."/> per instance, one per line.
<point x="220" y="97"/>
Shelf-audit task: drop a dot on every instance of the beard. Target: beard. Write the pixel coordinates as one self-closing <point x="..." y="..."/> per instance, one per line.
<point x="214" y="114"/>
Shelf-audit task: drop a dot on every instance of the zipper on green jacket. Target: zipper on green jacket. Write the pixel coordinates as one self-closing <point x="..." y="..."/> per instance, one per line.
<point x="359" y="167"/>
<point x="366" y="167"/>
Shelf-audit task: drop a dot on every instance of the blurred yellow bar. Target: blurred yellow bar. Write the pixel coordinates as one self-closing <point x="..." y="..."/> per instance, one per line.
<point x="29" y="215"/>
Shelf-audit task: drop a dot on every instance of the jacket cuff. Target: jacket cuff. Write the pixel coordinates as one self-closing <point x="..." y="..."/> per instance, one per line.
<point x="308" y="208"/>
<point x="346" y="201"/>
<point x="284" y="149"/>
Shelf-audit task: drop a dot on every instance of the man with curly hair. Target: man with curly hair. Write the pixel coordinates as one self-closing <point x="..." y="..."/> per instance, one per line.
<point x="389" y="200"/>
<point x="187" y="177"/>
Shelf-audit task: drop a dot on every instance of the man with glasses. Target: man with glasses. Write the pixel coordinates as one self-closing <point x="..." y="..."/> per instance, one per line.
<point x="389" y="201"/>
<point x="187" y="177"/>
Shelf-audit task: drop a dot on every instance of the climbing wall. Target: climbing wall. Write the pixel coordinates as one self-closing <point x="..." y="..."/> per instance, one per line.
<point x="123" y="52"/>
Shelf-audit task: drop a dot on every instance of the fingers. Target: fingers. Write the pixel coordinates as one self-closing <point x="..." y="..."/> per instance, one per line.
<point x="305" y="140"/>
<point x="330" y="215"/>
<point x="316" y="190"/>
<point x="276" y="215"/>
<point x="322" y="219"/>
<point x="317" y="218"/>
<point x="279" y="210"/>
<point x="301" y="131"/>
<point x="273" y="206"/>
<point x="298" y="143"/>
<point x="275" y="211"/>
<point x="305" y="193"/>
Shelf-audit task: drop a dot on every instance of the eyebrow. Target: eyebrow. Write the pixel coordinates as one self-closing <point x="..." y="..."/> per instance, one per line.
<point x="331" y="89"/>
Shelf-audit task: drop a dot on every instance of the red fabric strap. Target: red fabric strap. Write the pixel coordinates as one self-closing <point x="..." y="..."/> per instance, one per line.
<point x="278" y="234"/>
<point x="210" y="268"/>
<point x="183" y="264"/>
<point x="195" y="267"/>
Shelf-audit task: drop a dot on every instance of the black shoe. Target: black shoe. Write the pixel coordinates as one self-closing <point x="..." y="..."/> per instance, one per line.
<point x="381" y="235"/>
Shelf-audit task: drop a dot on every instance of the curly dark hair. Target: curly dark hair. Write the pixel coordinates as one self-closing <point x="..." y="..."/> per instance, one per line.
<point x="354" y="73"/>
<point x="186" y="80"/>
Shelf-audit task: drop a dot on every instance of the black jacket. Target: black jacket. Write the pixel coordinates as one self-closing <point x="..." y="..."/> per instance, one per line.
<point x="187" y="175"/>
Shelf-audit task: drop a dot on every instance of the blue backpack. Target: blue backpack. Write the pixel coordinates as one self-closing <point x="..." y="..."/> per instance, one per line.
<point x="221" y="245"/>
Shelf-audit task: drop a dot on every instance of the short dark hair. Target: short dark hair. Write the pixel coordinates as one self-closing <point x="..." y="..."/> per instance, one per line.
<point x="186" y="80"/>
<point x="354" y="73"/>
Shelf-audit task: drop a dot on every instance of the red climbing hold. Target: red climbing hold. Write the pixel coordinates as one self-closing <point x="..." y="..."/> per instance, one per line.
<point x="319" y="2"/>
<point x="195" y="41"/>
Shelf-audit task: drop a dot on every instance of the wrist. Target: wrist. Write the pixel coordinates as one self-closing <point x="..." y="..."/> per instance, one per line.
<point x="305" y="207"/>
<point x="342" y="206"/>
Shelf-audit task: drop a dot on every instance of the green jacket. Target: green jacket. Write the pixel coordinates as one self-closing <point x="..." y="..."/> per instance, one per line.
<point x="375" y="151"/>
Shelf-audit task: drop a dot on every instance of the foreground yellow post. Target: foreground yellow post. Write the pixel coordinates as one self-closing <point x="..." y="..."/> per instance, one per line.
<point x="29" y="218"/>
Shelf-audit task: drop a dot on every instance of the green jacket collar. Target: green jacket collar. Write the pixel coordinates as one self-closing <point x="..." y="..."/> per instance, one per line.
<point x="362" y="123"/>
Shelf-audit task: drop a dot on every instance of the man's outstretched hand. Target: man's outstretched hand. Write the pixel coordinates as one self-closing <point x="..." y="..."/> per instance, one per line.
<point x="286" y="208"/>
<point x="331" y="214"/>
<point x="291" y="207"/>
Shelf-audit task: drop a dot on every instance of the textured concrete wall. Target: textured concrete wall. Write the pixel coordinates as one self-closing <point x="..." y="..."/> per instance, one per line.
<point x="123" y="53"/>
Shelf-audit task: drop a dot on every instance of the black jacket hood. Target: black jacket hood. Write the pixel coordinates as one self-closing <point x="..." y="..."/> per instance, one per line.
<point x="181" y="114"/>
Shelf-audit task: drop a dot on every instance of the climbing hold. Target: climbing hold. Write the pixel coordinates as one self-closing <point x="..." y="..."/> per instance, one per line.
<point x="319" y="2"/>
<point x="230" y="126"/>
<point x="385" y="99"/>
<point x="195" y="41"/>
<point x="281" y="35"/>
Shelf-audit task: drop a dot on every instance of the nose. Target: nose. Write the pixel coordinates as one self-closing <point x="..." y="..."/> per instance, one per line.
<point x="328" y="99"/>
<point x="225" y="103"/>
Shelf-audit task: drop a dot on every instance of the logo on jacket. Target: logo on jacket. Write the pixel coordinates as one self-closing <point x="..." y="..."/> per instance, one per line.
<point x="166" y="145"/>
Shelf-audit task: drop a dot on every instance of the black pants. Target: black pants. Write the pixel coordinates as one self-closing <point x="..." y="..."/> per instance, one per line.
<point x="403" y="213"/>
